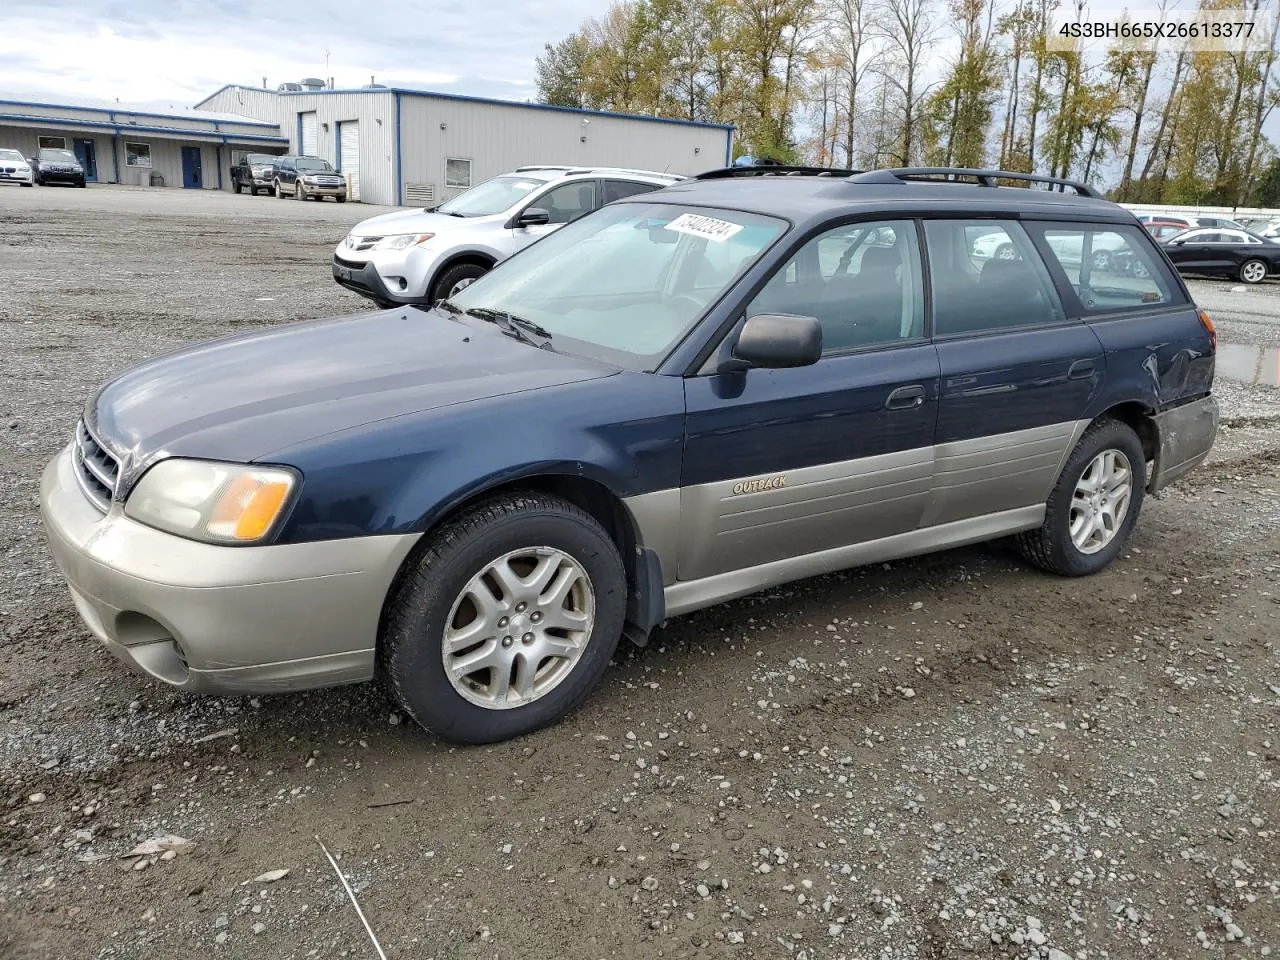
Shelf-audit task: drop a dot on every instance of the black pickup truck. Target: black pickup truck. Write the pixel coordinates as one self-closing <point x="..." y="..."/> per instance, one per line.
<point x="255" y="172"/>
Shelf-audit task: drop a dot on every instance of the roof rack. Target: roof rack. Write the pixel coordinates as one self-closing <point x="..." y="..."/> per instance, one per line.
<point x="983" y="178"/>
<point x="772" y="170"/>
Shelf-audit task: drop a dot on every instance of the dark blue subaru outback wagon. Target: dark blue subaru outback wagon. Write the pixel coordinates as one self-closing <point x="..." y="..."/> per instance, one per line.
<point x="749" y="377"/>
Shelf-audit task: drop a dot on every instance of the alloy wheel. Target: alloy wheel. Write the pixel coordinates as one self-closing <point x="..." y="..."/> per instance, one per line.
<point x="1101" y="501"/>
<point x="518" y="628"/>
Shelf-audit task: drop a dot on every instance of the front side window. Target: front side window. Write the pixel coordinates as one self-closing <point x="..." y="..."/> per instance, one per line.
<point x="568" y="202"/>
<point x="987" y="276"/>
<point x="457" y="172"/>
<point x="137" y="154"/>
<point x="491" y="197"/>
<point x="1110" y="267"/>
<point x="862" y="282"/>
<point x="621" y="285"/>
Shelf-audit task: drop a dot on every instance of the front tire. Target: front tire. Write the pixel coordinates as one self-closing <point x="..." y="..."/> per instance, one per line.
<point x="239" y="187"/>
<point x="1094" y="505"/>
<point x="506" y="620"/>
<point x="1253" y="271"/>
<point x="454" y="278"/>
<point x="298" y="193"/>
<point x="279" y="192"/>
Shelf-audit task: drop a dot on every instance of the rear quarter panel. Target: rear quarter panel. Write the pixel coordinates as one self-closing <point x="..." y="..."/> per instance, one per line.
<point x="1157" y="358"/>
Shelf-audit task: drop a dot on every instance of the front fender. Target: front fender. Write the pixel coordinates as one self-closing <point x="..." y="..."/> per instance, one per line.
<point x="403" y="475"/>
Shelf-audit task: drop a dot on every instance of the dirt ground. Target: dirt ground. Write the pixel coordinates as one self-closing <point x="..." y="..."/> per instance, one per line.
<point x="950" y="757"/>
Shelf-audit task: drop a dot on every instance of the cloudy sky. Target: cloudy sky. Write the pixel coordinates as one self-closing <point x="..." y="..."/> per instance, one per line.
<point x="180" y="51"/>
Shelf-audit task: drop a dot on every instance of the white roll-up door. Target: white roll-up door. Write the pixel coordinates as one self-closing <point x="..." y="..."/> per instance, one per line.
<point x="310" y="135"/>
<point x="350" y="146"/>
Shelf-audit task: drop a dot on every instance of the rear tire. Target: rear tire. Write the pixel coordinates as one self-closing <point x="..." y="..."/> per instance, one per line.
<point x="473" y="702"/>
<point x="460" y="273"/>
<point x="1253" y="271"/>
<point x="1091" y="512"/>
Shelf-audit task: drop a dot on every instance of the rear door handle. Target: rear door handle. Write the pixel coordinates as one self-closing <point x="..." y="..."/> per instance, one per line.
<point x="906" y="398"/>
<point x="1080" y="370"/>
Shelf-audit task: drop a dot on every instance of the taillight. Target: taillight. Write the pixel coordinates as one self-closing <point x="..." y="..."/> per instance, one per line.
<point x="1208" y="326"/>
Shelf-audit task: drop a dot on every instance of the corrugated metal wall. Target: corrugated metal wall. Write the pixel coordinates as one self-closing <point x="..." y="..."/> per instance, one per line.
<point x="245" y="101"/>
<point x="375" y="111"/>
<point x="498" y="138"/>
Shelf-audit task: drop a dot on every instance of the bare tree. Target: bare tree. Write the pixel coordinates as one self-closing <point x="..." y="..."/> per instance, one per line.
<point x="911" y="34"/>
<point x="853" y="44"/>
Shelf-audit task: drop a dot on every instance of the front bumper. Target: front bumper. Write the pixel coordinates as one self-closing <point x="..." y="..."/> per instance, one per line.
<point x="319" y="190"/>
<point x="364" y="279"/>
<point x="214" y="619"/>
<point x="15" y="177"/>
<point x="1184" y="437"/>
<point x="61" y="176"/>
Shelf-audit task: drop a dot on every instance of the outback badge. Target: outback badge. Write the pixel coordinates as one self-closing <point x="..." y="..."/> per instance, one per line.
<point x="755" y="486"/>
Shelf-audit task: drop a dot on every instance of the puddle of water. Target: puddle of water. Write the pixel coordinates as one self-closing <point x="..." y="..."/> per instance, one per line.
<point x="1246" y="364"/>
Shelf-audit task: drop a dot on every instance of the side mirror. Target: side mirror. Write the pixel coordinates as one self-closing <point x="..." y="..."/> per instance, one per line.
<point x="533" y="217"/>
<point x="773" y="341"/>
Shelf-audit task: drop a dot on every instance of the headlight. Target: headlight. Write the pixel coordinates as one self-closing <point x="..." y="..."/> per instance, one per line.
<point x="309" y="179"/>
<point x="402" y="240"/>
<point x="213" y="502"/>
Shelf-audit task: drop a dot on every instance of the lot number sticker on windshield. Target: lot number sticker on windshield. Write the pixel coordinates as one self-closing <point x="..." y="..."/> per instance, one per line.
<point x="709" y="228"/>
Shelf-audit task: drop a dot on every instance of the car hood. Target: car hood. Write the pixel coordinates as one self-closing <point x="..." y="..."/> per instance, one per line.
<point x="241" y="398"/>
<point x="415" y="221"/>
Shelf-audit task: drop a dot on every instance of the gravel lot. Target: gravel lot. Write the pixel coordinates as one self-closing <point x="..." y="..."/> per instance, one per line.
<point x="949" y="757"/>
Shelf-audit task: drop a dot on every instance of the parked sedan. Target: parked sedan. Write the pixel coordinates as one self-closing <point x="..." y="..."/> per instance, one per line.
<point x="1224" y="253"/>
<point x="14" y="168"/>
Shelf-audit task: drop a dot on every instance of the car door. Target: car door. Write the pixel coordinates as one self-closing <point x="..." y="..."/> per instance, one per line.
<point x="1193" y="251"/>
<point x="1017" y="373"/>
<point x="564" y="204"/>
<point x="1229" y="251"/>
<point x="791" y="462"/>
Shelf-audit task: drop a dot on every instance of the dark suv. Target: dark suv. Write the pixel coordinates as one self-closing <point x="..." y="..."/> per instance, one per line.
<point x="305" y="178"/>
<point x="683" y="397"/>
<point x="52" y="165"/>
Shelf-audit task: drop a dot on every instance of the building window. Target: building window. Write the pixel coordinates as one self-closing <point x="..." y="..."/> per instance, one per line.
<point x="53" y="143"/>
<point x="137" y="154"/>
<point x="457" y="173"/>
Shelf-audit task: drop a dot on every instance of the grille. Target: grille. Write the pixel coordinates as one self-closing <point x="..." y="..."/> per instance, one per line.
<point x="329" y="181"/>
<point x="361" y="243"/>
<point x="96" y="469"/>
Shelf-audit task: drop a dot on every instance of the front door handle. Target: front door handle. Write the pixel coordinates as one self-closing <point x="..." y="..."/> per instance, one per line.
<point x="906" y="398"/>
<point x="1080" y="370"/>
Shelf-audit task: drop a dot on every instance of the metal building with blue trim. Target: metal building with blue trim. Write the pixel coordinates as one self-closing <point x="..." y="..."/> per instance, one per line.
<point x="409" y="147"/>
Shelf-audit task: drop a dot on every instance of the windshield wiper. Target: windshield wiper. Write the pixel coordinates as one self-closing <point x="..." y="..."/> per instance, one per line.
<point x="518" y="327"/>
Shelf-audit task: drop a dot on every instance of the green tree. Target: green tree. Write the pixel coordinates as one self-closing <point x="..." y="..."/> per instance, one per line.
<point x="560" y="72"/>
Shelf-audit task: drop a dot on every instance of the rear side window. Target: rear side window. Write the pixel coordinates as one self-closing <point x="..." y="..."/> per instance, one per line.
<point x="1110" y="267"/>
<point x="617" y="189"/>
<point x="987" y="276"/>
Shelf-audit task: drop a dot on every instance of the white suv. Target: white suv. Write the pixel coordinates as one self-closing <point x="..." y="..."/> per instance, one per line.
<point x="423" y="256"/>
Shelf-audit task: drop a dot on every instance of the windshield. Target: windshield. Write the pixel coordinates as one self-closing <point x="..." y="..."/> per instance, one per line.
<point x="257" y="159"/>
<point x="312" y="165"/>
<point x="491" y="197"/>
<point x="11" y="155"/>
<point x="65" y="156"/>
<point x="626" y="283"/>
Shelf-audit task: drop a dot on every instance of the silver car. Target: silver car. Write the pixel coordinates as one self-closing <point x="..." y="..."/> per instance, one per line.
<point x="14" y="168"/>
<point x="422" y="256"/>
